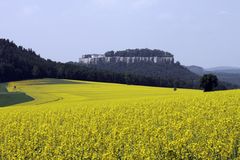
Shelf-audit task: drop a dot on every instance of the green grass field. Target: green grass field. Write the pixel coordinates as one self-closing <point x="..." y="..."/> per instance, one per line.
<point x="86" y="120"/>
<point x="11" y="98"/>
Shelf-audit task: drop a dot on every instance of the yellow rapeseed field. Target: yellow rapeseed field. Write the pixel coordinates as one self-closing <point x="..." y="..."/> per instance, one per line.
<point x="87" y="120"/>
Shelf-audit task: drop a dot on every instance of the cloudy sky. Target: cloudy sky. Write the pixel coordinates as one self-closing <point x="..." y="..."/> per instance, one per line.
<point x="200" y="32"/>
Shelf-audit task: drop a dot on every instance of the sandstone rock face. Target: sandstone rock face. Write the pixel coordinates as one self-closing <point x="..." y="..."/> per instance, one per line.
<point x="95" y="59"/>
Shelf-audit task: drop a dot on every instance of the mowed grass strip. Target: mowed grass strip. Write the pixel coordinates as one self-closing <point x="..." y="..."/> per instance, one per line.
<point x="3" y="88"/>
<point x="12" y="98"/>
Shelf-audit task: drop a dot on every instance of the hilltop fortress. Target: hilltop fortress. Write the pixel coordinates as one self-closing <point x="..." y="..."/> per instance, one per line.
<point x="129" y="56"/>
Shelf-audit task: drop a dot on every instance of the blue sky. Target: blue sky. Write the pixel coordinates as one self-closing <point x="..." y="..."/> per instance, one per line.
<point x="200" y="32"/>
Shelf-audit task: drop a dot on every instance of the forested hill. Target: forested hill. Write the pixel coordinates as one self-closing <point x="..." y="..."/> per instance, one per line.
<point x="18" y="63"/>
<point x="172" y="73"/>
<point x="138" y="53"/>
<point x="166" y="74"/>
<point x="165" y="71"/>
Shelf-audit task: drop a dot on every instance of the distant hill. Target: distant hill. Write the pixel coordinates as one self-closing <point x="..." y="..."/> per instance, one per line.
<point x="170" y="73"/>
<point x="129" y="56"/>
<point x="143" y="64"/>
<point x="233" y="78"/>
<point x="18" y="63"/>
<point x="232" y="70"/>
<point x="225" y="74"/>
<point x="196" y="69"/>
<point x="219" y="68"/>
<point x="173" y="73"/>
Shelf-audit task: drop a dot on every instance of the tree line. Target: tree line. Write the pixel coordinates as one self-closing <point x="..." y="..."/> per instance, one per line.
<point x="18" y="63"/>
<point x="138" y="53"/>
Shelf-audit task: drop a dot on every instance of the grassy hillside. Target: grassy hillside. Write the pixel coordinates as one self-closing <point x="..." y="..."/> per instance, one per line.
<point x="86" y="120"/>
<point x="11" y="98"/>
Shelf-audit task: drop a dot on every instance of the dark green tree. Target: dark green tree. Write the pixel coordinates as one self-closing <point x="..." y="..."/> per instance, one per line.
<point x="35" y="71"/>
<point x="209" y="82"/>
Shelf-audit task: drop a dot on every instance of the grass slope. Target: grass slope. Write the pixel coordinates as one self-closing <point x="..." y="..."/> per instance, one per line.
<point x="52" y="90"/>
<point x="87" y="120"/>
<point x="3" y="88"/>
<point x="12" y="98"/>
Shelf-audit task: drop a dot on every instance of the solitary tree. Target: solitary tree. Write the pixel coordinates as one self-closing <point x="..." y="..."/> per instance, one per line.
<point x="209" y="82"/>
